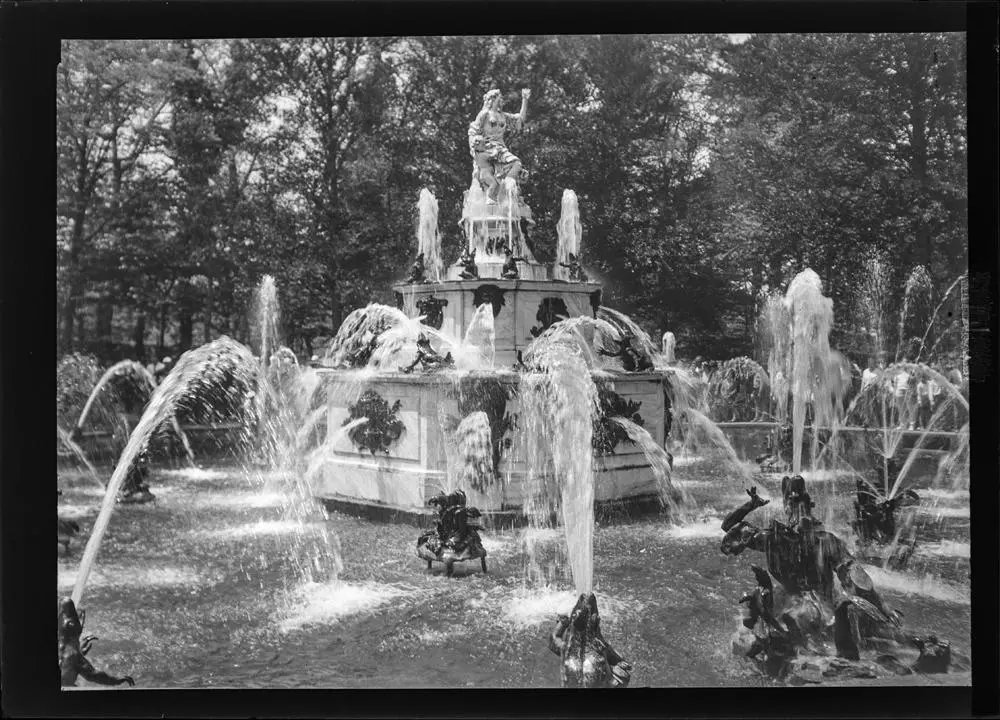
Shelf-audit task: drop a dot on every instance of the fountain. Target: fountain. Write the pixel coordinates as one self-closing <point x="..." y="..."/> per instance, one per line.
<point x="458" y="345"/>
<point x="538" y="404"/>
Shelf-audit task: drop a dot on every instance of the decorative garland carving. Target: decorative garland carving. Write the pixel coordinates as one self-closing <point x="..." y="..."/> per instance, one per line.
<point x="383" y="427"/>
<point x="488" y="294"/>
<point x="433" y="310"/>
<point x="550" y="310"/>
<point x="608" y="433"/>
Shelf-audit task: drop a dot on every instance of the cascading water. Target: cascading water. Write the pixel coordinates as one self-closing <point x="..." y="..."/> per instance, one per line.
<point x="559" y="405"/>
<point x="473" y="470"/>
<point x="66" y="439"/>
<point x="196" y="369"/>
<point x="135" y="368"/>
<point x="428" y="237"/>
<point x="569" y="232"/>
<point x="479" y="346"/>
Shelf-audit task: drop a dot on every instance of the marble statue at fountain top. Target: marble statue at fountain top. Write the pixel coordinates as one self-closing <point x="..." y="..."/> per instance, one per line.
<point x="496" y="265"/>
<point x="494" y="217"/>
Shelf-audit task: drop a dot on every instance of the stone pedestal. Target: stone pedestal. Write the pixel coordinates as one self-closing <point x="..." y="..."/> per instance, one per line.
<point x="522" y="309"/>
<point x="420" y="464"/>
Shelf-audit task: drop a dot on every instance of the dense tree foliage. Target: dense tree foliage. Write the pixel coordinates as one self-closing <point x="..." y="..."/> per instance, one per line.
<point x="709" y="173"/>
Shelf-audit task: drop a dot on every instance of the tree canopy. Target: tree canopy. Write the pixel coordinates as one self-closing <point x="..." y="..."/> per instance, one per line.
<point x="709" y="172"/>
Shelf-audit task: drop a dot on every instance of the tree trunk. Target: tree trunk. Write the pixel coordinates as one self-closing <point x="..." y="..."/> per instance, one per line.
<point x="163" y="330"/>
<point x="105" y="316"/>
<point x="186" y="330"/>
<point x="73" y="275"/>
<point x="209" y="309"/>
<point x="139" y="337"/>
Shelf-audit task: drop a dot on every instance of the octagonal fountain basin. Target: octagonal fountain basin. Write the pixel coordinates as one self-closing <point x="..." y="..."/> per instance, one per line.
<point x="409" y="453"/>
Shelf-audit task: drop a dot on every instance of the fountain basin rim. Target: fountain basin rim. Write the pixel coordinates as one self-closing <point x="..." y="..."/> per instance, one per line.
<point x="505" y="375"/>
<point x="502" y="283"/>
<point x="843" y="428"/>
<point x="605" y="511"/>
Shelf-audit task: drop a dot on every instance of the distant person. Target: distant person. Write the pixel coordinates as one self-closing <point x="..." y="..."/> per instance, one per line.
<point x="900" y="384"/>
<point x="868" y="376"/>
<point x="923" y="403"/>
<point x="163" y="369"/>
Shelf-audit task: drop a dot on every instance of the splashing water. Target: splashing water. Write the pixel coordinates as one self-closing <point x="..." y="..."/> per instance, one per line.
<point x="479" y="348"/>
<point x="569" y="232"/>
<point x="475" y="452"/>
<point x="67" y="440"/>
<point x="121" y="369"/>
<point x="814" y="369"/>
<point x="589" y="336"/>
<point x="360" y="334"/>
<point x="668" y="347"/>
<point x="961" y="323"/>
<point x="196" y="368"/>
<point x="891" y="403"/>
<point x="670" y="496"/>
<point x="703" y="436"/>
<point x="627" y="326"/>
<point x="267" y="317"/>
<point x="428" y="237"/>
<point x="873" y="302"/>
<point x="559" y="405"/>
<point x="916" y="311"/>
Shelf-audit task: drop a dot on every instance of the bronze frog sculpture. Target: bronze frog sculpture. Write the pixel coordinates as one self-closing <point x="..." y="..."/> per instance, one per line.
<point x="455" y="537"/>
<point x="73" y="648"/>
<point x="587" y="660"/>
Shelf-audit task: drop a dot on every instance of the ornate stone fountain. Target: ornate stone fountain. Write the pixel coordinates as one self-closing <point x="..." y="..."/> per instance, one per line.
<point x="409" y="449"/>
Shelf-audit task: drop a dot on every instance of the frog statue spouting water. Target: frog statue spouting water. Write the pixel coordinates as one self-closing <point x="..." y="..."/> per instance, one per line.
<point x="587" y="660"/>
<point x="455" y="537"/>
<point x="73" y="648"/>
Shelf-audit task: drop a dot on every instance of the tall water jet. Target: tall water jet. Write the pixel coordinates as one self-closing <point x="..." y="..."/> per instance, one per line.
<point x="873" y="303"/>
<point x="776" y="340"/>
<point x="560" y="404"/>
<point x="668" y="348"/>
<point x="811" y="363"/>
<point x="197" y="368"/>
<point x="569" y="232"/>
<point x="428" y="237"/>
<point x="267" y="317"/>
<point x="916" y="313"/>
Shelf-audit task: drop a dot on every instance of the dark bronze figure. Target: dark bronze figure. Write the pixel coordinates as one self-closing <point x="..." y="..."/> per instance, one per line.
<point x="73" y="648"/>
<point x="587" y="660"/>
<point x="455" y="537"/>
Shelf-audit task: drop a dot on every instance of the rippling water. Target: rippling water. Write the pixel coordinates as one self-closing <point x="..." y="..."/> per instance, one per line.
<point x="193" y="591"/>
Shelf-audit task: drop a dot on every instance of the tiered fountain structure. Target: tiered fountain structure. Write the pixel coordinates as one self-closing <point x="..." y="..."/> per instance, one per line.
<point x="489" y="319"/>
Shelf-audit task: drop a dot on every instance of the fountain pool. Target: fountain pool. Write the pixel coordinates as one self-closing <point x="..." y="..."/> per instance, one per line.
<point x="192" y="591"/>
